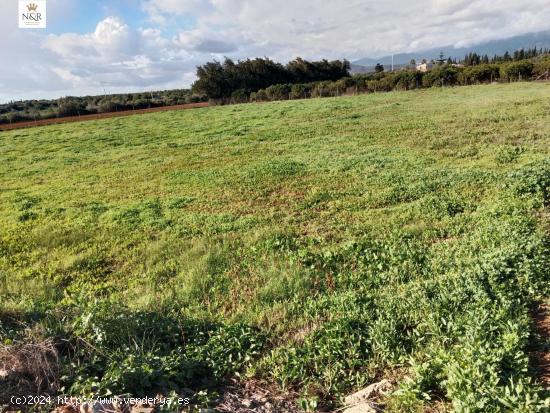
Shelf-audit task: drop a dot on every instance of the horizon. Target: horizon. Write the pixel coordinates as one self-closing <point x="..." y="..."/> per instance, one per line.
<point x="133" y="46"/>
<point x="124" y="92"/>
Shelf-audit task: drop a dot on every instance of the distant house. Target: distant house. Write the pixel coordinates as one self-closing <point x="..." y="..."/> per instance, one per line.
<point x="424" y="67"/>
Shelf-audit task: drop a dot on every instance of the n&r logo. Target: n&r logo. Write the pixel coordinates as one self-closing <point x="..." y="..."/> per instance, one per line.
<point x="32" y="14"/>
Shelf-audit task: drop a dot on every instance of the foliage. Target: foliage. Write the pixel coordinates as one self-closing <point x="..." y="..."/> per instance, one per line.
<point x="534" y="180"/>
<point x="320" y="245"/>
<point x="473" y="59"/>
<point x="446" y="74"/>
<point x="116" y="350"/>
<point x="19" y="111"/>
<point x="441" y="76"/>
<point x="542" y="66"/>
<point x="248" y="81"/>
<point x="474" y="75"/>
<point x="520" y="70"/>
<point x="220" y="81"/>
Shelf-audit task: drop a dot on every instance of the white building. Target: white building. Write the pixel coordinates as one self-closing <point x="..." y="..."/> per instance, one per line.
<point x="424" y="67"/>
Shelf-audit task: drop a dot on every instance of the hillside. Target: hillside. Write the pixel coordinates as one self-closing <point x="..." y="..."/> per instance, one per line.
<point x="540" y="40"/>
<point x="313" y="246"/>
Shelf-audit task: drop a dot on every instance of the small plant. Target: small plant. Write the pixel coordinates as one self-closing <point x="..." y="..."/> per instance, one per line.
<point x="533" y="179"/>
<point x="508" y="154"/>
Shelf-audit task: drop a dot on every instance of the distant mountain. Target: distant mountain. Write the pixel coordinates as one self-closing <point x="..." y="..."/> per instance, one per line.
<point x="499" y="47"/>
<point x="355" y="68"/>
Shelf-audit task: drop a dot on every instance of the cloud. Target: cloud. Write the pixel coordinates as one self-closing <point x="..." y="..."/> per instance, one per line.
<point x="115" y="56"/>
<point x="181" y="34"/>
<point x="161" y="11"/>
<point x="24" y="70"/>
<point x="357" y="28"/>
<point x="206" y="42"/>
<point x="112" y="40"/>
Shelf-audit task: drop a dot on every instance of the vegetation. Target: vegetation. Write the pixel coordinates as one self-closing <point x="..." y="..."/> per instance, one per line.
<point x="30" y="110"/>
<point x="473" y="59"/>
<point x="222" y="81"/>
<point x="319" y="245"/>
<point x="262" y="79"/>
<point x="445" y="74"/>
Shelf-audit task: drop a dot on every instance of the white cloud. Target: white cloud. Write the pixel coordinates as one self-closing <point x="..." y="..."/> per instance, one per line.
<point x="24" y="70"/>
<point x="111" y="41"/>
<point x="116" y="56"/>
<point x="161" y="11"/>
<point x="356" y="28"/>
<point x="119" y="56"/>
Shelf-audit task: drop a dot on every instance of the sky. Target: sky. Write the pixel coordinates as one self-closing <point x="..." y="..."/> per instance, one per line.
<point x="108" y="46"/>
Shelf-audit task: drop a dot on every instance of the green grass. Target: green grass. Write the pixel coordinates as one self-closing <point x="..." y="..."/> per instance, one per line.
<point x="318" y="244"/>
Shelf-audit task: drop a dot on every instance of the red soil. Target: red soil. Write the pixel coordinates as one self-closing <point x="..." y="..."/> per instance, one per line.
<point x="542" y="356"/>
<point x="42" y="122"/>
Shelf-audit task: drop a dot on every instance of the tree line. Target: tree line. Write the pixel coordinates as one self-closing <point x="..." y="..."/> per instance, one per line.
<point x="443" y="74"/>
<point x="262" y="79"/>
<point x="28" y="110"/>
<point x="473" y="59"/>
<point x="229" y="81"/>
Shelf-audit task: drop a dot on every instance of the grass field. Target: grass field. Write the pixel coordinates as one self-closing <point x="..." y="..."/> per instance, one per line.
<point x="320" y="245"/>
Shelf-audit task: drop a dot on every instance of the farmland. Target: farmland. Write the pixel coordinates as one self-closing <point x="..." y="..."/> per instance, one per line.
<point x="315" y="245"/>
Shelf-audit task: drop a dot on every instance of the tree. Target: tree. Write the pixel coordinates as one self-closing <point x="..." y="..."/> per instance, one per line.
<point x="219" y="81"/>
<point x="302" y="71"/>
<point x="212" y="80"/>
<point x="378" y="68"/>
<point x="69" y="107"/>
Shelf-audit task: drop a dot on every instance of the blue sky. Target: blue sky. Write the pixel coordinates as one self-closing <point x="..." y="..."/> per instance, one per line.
<point x="131" y="45"/>
<point x="84" y="17"/>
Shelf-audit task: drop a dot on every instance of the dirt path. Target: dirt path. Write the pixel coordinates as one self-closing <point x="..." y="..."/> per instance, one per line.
<point x="42" y="122"/>
<point x="253" y="396"/>
<point x="541" y="350"/>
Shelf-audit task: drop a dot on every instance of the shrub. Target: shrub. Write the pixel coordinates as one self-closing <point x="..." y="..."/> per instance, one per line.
<point x="261" y="96"/>
<point x="472" y="75"/>
<point x="278" y="92"/>
<point x="107" y="106"/>
<point x="522" y="70"/>
<point x="28" y="368"/>
<point x="441" y="76"/>
<point x="542" y="67"/>
<point x="239" y="96"/>
<point x="406" y="80"/>
<point x="69" y="107"/>
<point x="300" y="91"/>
